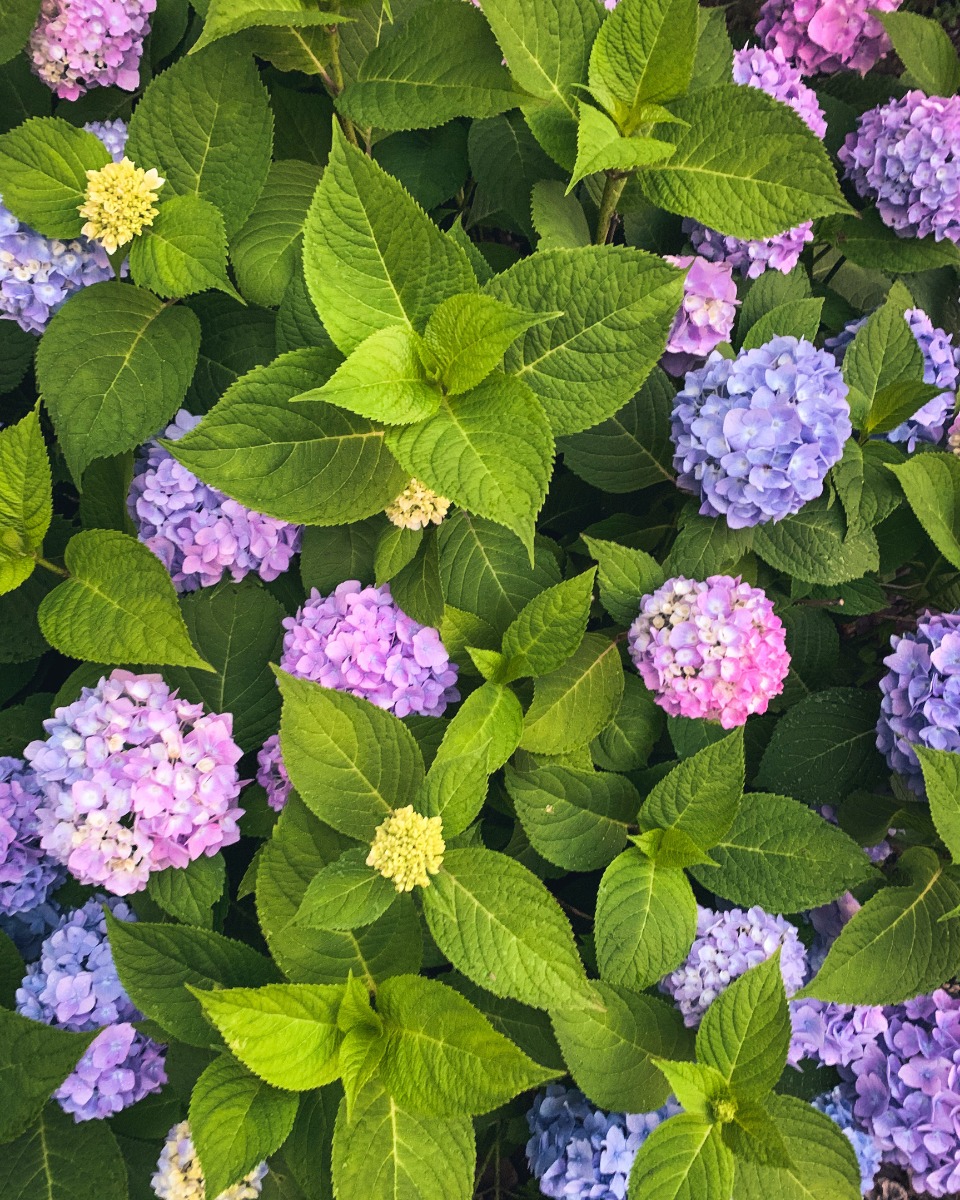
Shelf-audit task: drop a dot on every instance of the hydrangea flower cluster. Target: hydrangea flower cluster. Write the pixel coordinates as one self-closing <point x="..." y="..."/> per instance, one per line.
<point x="579" y="1152"/>
<point x="357" y="640"/>
<point x="118" y="203"/>
<point x="920" y="703"/>
<point x="28" y="929"/>
<point x="179" y="1177"/>
<point x="407" y="848"/>
<point x="417" y="506"/>
<point x="837" y="1106"/>
<point x="824" y="36"/>
<point x="39" y="274"/>
<point x="706" y="314"/>
<point x="769" y="71"/>
<point x="836" y="1035"/>
<point x="80" y="44"/>
<point x="75" y="986"/>
<point x="272" y="774"/>
<point x="905" y="155"/>
<point x="713" y="650"/>
<point x="197" y="532"/>
<point x="134" y="780"/>
<point x="27" y="874"/>
<point x="756" y="435"/>
<point x="727" y="945"/>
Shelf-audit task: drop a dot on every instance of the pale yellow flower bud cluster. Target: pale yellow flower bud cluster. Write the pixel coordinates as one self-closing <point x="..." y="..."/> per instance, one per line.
<point x="408" y="848"/>
<point x="417" y="507"/>
<point x="119" y="203"/>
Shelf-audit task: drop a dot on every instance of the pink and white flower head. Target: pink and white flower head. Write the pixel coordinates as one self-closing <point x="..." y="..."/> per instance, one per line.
<point x="79" y="44"/>
<point x="134" y="780"/>
<point x="823" y="36"/>
<point x="713" y="650"/>
<point x="706" y="314"/>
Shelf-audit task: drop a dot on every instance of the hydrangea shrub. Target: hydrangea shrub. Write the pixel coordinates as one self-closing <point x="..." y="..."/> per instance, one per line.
<point x="479" y="600"/>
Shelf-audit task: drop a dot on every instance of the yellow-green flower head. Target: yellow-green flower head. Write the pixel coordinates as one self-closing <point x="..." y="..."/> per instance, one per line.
<point x="408" y="848"/>
<point x="417" y="507"/>
<point x="119" y="203"/>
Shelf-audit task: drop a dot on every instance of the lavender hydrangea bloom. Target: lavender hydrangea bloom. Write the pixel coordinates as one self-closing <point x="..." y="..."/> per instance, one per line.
<point x="74" y="985"/>
<point x="197" y="532"/>
<point x="706" y="313"/>
<point x="835" y="1035"/>
<point x="921" y="695"/>
<point x="80" y="44"/>
<point x="113" y="134"/>
<point x="27" y="874"/>
<point x="272" y="774"/>
<point x="134" y="780"/>
<point x="727" y="945"/>
<point x="904" y="155"/>
<point x="27" y="930"/>
<point x="357" y="640"/>
<point x="756" y="435"/>
<point x="579" y="1152"/>
<point x="769" y="71"/>
<point x="824" y="36"/>
<point x="838" y="1106"/>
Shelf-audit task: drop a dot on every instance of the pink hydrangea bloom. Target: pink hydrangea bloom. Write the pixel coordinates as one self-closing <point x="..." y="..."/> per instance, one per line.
<point x="823" y="36"/>
<point x="713" y="650"/>
<point x="706" y="315"/>
<point x="80" y="44"/>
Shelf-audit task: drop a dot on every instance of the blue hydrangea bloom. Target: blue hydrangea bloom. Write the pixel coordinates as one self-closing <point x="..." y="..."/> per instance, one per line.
<point x="27" y="873"/>
<point x="756" y="435"/>
<point x="113" y="134"/>
<point x="27" y="930"/>
<point x="838" y="1106"/>
<point x="580" y="1152"/>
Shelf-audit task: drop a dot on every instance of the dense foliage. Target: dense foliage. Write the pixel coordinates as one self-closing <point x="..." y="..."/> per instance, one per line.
<point x="479" y="600"/>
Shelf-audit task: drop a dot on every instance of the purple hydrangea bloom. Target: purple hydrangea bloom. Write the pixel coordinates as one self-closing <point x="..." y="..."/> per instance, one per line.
<point x="829" y="919"/>
<point x="74" y="985"/>
<point x="838" y="1106"/>
<point x="921" y="695"/>
<point x="904" y="155"/>
<point x="272" y="774"/>
<point x="579" y="1152"/>
<point x="358" y="640"/>
<point x="836" y="1035"/>
<point x="726" y="946"/>
<point x="80" y="44"/>
<point x="135" y="780"/>
<point x="706" y="313"/>
<point x="27" y="874"/>
<point x="756" y="435"/>
<point x="113" y="134"/>
<point x="824" y="36"/>
<point x="197" y="532"/>
<point x="769" y="71"/>
<point x="27" y="930"/>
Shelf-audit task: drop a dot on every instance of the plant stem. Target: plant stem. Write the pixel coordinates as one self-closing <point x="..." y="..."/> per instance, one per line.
<point x="45" y="562"/>
<point x="612" y="191"/>
<point x="334" y="81"/>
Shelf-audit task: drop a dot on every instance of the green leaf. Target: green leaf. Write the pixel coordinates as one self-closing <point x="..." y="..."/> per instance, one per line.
<point x="506" y="161"/>
<point x="431" y="164"/>
<point x="350" y="761"/>
<point x="575" y="819"/>
<point x="154" y="963"/>
<point x="386" y="1153"/>
<point x="226" y="17"/>
<point x="925" y="50"/>
<point x="941" y="775"/>
<point x="443" y="1058"/>
<point x="489" y="451"/>
<point x="625" y="744"/>
<point x="705" y="547"/>
<point x="113" y="368"/>
<point x="396" y="549"/>
<point x="898" y="401"/>
<point x="626" y="575"/>
<point x="797" y="318"/>
<point x="372" y="257"/>
<point x="498" y="925"/>
<point x="26" y="501"/>
<point x="189" y="893"/>
<point x="701" y="795"/>
<point x="488" y="724"/>
<point x="745" y="1033"/>
<point x="683" y="1159"/>
<point x="696" y="1086"/>
<point x="617" y="306"/>
<point x="573" y="703"/>
<point x="931" y="483"/>
<point x="17" y="18"/>
<point x="444" y="63"/>
<point x="744" y="164"/>
<point x="260" y="1025"/>
<point x="469" y="335"/>
<point x="817" y="545"/>
<point x="198" y="121"/>
<point x="43" y="173"/>
<point x="601" y="147"/>
<point x="781" y="855"/>
<point x="646" y="921"/>
<point x="455" y="789"/>
<point x="346" y="894"/>
<point x="417" y="588"/>
<point x="868" y="242"/>
<point x="184" y="251"/>
<point x="309" y="463"/>
<point x="549" y="629"/>
<point x="883" y="352"/>
<point x="610" y="1050"/>
<point x="558" y="218"/>
<point x="57" y="1159"/>
<point x="753" y="1136"/>
<point x="34" y="1060"/>
<point x="118" y="606"/>
<point x="714" y="61"/>
<point x="236" y="1121"/>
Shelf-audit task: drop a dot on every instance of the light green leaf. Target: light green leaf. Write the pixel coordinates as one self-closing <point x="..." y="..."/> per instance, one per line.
<point x="671" y="848"/>
<point x="350" y="761"/>
<point x="573" y="703"/>
<point x="396" y="549"/>
<point x="898" y="401"/>
<point x="941" y="775"/>
<point x="744" y="164"/>
<point x="701" y="795"/>
<point x="488" y="724"/>
<point x="206" y="124"/>
<point x="417" y="588"/>
<point x="469" y="335"/>
<point x="601" y="147"/>
<point x="883" y="352"/>
<point x="34" y="1060"/>
<point x="236" y="1121"/>
<point x="549" y="629"/>
<point x="696" y="1086"/>
<point x="346" y="894"/>
<point x="683" y="1159"/>
<point x="558" y="218"/>
<point x="931" y="483"/>
<point x="625" y="744"/>
<point x="796" y="318"/>
<point x="57" y="1159"/>
<point x="118" y="606"/>
<point x="17" y="18"/>
<point x="372" y="257"/>
<point x="43" y="173"/>
<point x="925" y="50"/>
<point x="226" y="17"/>
<point x="189" y="893"/>
<point x="113" y="368"/>
<point x="498" y="925"/>
<point x="489" y="451"/>
<point x="617" y="306"/>
<point x="714" y="61"/>
<point x="184" y="251"/>
<point x="705" y="547"/>
<point x="753" y="1136"/>
<point x="455" y="789"/>
<point x="626" y="575"/>
<point x="26" y="501"/>
<point x="646" y="921"/>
